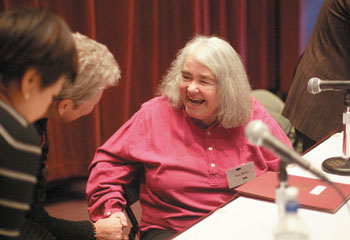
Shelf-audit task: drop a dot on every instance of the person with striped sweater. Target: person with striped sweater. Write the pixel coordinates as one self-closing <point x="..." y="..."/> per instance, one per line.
<point x="37" y="56"/>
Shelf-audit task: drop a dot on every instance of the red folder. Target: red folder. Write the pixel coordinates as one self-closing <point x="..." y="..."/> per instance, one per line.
<point x="329" y="200"/>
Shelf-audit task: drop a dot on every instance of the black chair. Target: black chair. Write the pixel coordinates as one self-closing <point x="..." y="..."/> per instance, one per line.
<point x="131" y="194"/>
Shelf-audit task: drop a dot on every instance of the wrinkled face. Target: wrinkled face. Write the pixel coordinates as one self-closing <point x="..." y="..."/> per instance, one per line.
<point x="41" y="98"/>
<point x="85" y="108"/>
<point x="198" y="89"/>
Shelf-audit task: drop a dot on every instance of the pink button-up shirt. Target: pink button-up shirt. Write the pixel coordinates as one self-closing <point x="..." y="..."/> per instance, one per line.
<point x="184" y="165"/>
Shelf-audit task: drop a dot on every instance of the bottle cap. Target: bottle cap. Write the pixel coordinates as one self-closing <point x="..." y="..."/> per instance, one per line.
<point x="292" y="193"/>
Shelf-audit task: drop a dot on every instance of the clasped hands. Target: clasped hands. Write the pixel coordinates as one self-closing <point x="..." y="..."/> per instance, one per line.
<point x="111" y="228"/>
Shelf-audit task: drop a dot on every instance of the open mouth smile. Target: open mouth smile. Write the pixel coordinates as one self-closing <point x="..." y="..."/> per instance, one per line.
<point x="196" y="102"/>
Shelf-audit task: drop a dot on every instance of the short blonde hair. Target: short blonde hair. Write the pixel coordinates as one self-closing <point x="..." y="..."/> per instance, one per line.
<point x="233" y="86"/>
<point x="97" y="71"/>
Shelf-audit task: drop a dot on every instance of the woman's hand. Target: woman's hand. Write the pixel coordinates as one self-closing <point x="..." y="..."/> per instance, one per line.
<point x="111" y="228"/>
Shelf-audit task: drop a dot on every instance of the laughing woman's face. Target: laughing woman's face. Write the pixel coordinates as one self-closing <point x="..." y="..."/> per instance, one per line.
<point x="198" y="88"/>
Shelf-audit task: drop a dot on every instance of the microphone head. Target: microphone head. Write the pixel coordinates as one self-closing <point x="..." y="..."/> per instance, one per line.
<point x="255" y="132"/>
<point x="313" y="86"/>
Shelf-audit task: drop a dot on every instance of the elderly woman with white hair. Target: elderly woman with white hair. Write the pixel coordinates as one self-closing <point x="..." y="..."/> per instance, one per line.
<point x="97" y="71"/>
<point x="184" y="142"/>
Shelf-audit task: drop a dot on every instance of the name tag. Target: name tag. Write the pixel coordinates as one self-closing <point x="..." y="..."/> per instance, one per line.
<point x="241" y="174"/>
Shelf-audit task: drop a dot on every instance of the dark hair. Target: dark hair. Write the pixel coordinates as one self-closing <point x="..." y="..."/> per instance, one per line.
<point x="35" y="38"/>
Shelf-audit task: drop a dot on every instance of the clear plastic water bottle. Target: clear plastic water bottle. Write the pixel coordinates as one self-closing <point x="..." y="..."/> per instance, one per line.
<point x="281" y="199"/>
<point x="290" y="226"/>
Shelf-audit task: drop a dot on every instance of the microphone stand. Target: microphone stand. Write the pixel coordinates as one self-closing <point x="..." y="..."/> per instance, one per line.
<point x="280" y="192"/>
<point x="282" y="175"/>
<point x="341" y="165"/>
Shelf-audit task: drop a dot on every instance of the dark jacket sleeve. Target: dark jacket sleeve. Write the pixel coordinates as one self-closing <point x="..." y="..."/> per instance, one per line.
<point x="66" y="230"/>
<point x="59" y="228"/>
<point x="50" y="228"/>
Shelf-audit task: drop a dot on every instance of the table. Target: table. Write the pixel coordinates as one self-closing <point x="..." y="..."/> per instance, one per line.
<point x="246" y="218"/>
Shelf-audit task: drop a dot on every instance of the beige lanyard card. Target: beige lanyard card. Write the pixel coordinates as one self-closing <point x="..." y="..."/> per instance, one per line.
<point x="241" y="174"/>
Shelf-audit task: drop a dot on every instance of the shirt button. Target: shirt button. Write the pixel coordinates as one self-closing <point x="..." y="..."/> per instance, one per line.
<point x="108" y="213"/>
<point x="210" y="148"/>
<point x="208" y="132"/>
<point x="213" y="164"/>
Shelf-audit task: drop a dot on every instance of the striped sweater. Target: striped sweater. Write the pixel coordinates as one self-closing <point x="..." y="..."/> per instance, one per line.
<point x="19" y="162"/>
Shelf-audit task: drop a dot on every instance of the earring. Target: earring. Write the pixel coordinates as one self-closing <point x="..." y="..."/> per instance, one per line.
<point x="26" y="96"/>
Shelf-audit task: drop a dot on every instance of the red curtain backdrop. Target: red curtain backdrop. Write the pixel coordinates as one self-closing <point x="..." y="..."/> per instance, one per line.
<point x="144" y="36"/>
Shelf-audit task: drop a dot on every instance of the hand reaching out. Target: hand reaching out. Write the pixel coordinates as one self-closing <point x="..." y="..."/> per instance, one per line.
<point x="111" y="228"/>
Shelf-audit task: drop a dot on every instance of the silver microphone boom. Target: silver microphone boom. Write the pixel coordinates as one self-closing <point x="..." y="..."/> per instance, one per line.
<point x="316" y="85"/>
<point x="258" y="134"/>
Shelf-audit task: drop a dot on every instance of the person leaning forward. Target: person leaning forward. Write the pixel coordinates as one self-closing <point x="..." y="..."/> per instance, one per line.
<point x="37" y="57"/>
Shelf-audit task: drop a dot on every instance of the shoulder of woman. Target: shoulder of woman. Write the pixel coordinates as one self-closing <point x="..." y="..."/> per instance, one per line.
<point x="156" y="104"/>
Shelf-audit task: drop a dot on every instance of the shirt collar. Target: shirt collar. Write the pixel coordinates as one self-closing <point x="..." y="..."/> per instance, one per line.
<point x="199" y="123"/>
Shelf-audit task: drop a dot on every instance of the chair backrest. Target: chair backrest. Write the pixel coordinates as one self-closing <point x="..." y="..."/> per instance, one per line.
<point x="131" y="194"/>
<point x="274" y="105"/>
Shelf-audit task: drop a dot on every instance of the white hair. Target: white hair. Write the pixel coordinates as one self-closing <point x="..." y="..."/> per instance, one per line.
<point x="97" y="71"/>
<point x="234" y="90"/>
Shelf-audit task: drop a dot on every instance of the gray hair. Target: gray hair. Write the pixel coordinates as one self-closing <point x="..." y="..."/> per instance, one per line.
<point x="234" y="90"/>
<point x="97" y="71"/>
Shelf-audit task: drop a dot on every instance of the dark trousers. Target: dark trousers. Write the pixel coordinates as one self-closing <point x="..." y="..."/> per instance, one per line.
<point x="156" y="234"/>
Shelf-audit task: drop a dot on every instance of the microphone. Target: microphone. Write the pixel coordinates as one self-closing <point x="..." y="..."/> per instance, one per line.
<point x="258" y="134"/>
<point x="316" y="85"/>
